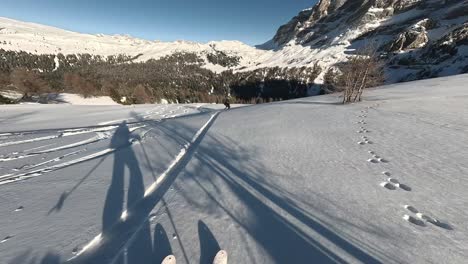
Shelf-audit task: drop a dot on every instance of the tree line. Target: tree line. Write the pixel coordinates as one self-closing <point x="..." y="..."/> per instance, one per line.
<point x="177" y="78"/>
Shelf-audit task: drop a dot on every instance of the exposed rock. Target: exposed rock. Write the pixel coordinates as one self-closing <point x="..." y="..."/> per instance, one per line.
<point x="415" y="37"/>
<point x="427" y="29"/>
<point x="306" y="19"/>
<point x="447" y="46"/>
<point x="287" y="32"/>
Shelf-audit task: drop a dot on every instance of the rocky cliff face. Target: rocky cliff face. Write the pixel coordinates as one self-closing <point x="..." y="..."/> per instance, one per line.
<point x="305" y="19"/>
<point x="327" y="15"/>
<point x="419" y="38"/>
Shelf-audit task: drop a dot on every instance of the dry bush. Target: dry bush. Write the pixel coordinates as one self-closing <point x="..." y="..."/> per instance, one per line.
<point x="79" y="85"/>
<point x="4" y="80"/>
<point x="360" y="72"/>
<point x="29" y="83"/>
<point x="142" y="95"/>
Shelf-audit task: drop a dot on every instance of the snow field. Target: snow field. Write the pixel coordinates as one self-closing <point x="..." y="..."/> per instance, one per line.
<point x="273" y="183"/>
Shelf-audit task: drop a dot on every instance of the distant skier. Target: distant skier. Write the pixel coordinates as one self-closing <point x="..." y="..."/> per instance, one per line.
<point x="227" y="104"/>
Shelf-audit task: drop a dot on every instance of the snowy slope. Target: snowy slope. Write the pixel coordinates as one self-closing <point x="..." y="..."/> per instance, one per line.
<point x="40" y="39"/>
<point x="62" y="98"/>
<point x="288" y="182"/>
<point x="76" y="99"/>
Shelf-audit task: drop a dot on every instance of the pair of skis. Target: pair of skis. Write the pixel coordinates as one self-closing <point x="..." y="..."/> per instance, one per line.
<point x="220" y="258"/>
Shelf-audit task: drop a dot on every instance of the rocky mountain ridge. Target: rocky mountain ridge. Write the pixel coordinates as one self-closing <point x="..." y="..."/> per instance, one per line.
<point x="417" y="38"/>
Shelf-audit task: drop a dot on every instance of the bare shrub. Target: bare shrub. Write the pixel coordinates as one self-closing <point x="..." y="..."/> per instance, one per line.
<point x="360" y="72"/>
<point x="142" y="95"/>
<point x="79" y="85"/>
<point x="29" y="83"/>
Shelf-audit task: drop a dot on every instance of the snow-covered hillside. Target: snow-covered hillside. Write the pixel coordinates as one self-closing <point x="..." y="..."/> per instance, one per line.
<point x="418" y="39"/>
<point x="40" y="39"/>
<point x="301" y="181"/>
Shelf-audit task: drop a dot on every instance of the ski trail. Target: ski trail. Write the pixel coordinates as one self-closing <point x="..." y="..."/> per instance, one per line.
<point x="10" y="178"/>
<point x="99" y="137"/>
<point x="95" y="139"/>
<point x="29" y="140"/>
<point x="146" y="116"/>
<point x="53" y="160"/>
<point x="151" y="190"/>
<point x="17" y="157"/>
<point x="80" y="131"/>
<point x="62" y="133"/>
<point x="40" y="147"/>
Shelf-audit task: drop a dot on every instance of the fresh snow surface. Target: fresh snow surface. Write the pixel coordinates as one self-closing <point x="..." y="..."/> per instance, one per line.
<point x="64" y="98"/>
<point x="76" y="99"/>
<point x="301" y="181"/>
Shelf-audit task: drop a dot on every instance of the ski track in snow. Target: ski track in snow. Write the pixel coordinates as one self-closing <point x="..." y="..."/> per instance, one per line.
<point x="391" y="183"/>
<point x="155" y="114"/>
<point x="95" y="242"/>
<point x="10" y="178"/>
<point x="103" y="132"/>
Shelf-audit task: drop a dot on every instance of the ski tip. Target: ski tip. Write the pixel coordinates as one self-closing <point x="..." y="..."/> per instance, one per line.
<point x="221" y="257"/>
<point x="169" y="260"/>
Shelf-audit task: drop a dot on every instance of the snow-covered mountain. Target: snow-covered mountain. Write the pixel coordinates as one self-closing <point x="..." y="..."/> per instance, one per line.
<point x="418" y="39"/>
<point x="40" y="39"/>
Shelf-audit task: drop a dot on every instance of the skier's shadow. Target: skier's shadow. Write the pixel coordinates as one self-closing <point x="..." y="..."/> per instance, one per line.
<point x="208" y="244"/>
<point x="123" y="157"/>
<point x="144" y="249"/>
<point x="125" y="160"/>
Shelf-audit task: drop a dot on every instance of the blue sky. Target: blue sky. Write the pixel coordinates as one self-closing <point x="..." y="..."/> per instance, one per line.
<point x="250" y="21"/>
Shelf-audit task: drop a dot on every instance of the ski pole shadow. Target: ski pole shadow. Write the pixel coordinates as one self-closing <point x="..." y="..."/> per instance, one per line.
<point x="66" y="194"/>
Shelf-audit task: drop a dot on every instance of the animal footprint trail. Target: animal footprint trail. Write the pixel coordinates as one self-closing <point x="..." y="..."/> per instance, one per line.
<point x="388" y="185"/>
<point x="413" y="220"/>
<point x="375" y="158"/>
<point x="365" y="141"/>
<point x="393" y="184"/>
<point x="422" y="219"/>
<point x="411" y="209"/>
